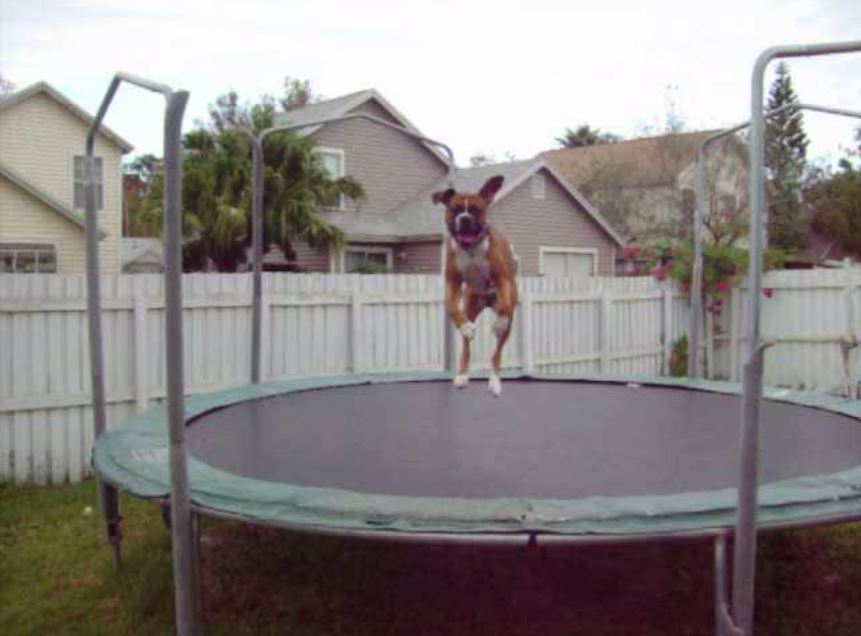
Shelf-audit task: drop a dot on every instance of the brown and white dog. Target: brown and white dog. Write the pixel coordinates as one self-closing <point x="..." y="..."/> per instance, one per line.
<point x="480" y="271"/>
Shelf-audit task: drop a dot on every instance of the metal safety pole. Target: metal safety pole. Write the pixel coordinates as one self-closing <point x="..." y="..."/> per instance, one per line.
<point x="181" y="521"/>
<point x="257" y="257"/>
<point x="744" y="557"/>
<point x="187" y="589"/>
<point x="107" y="494"/>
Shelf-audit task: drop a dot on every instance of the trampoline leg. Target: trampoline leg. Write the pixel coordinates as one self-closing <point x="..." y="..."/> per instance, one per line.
<point x="109" y="502"/>
<point x="196" y="575"/>
<point x="724" y="625"/>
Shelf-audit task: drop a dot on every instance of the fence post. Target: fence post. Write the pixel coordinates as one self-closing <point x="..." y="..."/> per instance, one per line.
<point x="355" y="331"/>
<point x="265" y="330"/>
<point x="139" y="310"/>
<point x="606" y="309"/>
<point x="850" y="347"/>
<point x="667" y="329"/>
<point x="710" y="346"/>
<point x="527" y="351"/>
<point x="734" y="330"/>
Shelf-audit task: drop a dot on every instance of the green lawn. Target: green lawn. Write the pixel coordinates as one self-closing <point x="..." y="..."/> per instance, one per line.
<point x="57" y="577"/>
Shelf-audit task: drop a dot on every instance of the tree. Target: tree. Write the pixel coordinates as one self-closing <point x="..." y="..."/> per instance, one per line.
<point x="585" y="135"/>
<point x="785" y="160"/>
<point x="6" y="87"/>
<point x="140" y="218"/>
<point x="835" y="201"/>
<point x="217" y="187"/>
<point x="297" y="93"/>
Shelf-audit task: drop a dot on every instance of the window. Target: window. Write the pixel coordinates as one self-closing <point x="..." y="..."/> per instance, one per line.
<point x="367" y="260"/>
<point x="80" y="183"/>
<point x="25" y="258"/>
<point x="332" y="160"/>
<point x="567" y="262"/>
<point x="539" y="186"/>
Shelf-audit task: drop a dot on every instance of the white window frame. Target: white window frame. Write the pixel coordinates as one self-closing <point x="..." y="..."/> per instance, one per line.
<point x="342" y="159"/>
<point x="19" y="240"/>
<point x="592" y="251"/>
<point x="539" y="186"/>
<point x="100" y="202"/>
<point x="368" y="249"/>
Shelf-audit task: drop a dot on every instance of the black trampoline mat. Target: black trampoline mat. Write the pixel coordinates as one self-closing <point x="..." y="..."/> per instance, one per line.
<point x="546" y="440"/>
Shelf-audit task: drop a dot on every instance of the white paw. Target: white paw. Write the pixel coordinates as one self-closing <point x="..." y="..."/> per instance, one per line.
<point x="494" y="385"/>
<point x="461" y="381"/>
<point x="467" y="330"/>
<point x="500" y="325"/>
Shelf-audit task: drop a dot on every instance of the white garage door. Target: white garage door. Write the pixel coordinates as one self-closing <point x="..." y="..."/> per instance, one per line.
<point x="567" y="264"/>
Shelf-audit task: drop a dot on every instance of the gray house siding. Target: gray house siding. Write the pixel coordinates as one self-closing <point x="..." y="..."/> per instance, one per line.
<point x="555" y="221"/>
<point x="419" y="258"/>
<point x="390" y="166"/>
<point x="311" y="259"/>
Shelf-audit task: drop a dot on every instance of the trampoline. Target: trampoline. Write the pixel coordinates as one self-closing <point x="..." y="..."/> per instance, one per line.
<point x="556" y="459"/>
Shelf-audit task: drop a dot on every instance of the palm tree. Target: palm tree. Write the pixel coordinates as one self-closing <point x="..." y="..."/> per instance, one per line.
<point x="217" y="192"/>
<point x="585" y="135"/>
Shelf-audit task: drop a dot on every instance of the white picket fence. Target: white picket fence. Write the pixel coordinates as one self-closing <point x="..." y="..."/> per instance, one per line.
<point x="312" y="325"/>
<point x="333" y="325"/>
<point x="813" y="323"/>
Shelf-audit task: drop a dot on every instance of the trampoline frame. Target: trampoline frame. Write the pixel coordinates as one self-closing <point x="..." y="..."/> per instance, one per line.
<point x="735" y="618"/>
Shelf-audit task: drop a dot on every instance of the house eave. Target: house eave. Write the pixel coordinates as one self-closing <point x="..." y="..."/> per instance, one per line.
<point x="45" y="198"/>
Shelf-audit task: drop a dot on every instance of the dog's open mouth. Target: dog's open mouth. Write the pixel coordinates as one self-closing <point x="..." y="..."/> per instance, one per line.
<point x="467" y="240"/>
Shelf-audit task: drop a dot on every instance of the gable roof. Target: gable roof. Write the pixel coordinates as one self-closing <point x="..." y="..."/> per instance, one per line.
<point x="342" y="106"/>
<point x="645" y="162"/>
<point x="37" y="193"/>
<point x="141" y="250"/>
<point x="77" y="111"/>
<point x="420" y="218"/>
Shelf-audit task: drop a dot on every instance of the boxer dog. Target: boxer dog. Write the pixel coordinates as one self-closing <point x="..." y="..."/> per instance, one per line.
<point x="479" y="271"/>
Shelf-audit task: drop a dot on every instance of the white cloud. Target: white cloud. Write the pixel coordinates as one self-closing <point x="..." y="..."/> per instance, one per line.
<point x="484" y="76"/>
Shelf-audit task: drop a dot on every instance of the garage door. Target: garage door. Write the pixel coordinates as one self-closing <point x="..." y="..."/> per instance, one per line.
<point x="567" y="264"/>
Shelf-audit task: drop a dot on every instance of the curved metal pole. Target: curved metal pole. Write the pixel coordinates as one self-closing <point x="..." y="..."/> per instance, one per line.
<point x="107" y="494"/>
<point x="694" y="367"/>
<point x="186" y="585"/>
<point x="744" y="552"/>
<point x="257" y="219"/>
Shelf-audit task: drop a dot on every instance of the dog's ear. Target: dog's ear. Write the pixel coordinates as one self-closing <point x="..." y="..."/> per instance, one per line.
<point x="443" y="196"/>
<point x="490" y="188"/>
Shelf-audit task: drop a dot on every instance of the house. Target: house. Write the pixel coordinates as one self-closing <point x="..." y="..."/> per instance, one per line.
<point x="42" y="145"/>
<point x="141" y="255"/>
<point x="645" y="187"/>
<point x="396" y="228"/>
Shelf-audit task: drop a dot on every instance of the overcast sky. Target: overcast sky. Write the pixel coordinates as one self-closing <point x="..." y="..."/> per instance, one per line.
<point x="491" y="77"/>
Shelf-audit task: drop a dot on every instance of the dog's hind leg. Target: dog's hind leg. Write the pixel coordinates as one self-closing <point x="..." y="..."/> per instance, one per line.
<point x="504" y="308"/>
<point x="474" y="305"/>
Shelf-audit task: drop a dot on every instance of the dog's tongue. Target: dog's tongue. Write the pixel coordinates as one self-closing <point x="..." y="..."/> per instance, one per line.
<point x="467" y="240"/>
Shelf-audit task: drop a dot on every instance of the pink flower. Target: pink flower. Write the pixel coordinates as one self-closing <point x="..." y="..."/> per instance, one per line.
<point x="630" y="253"/>
<point x="660" y="272"/>
<point x="722" y="285"/>
<point x="768" y="292"/>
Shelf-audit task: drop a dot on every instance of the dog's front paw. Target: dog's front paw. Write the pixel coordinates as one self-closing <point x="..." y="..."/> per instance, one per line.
<point x="494" y="385"/>
<point x="467" y="330"/>
<point x="461" y="381"/>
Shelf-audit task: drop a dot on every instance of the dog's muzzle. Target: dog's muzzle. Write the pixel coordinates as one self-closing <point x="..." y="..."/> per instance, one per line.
<point x="464" y="223"/>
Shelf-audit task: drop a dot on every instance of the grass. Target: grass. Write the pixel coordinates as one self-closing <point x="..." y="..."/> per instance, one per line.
<point x="57" y="578"/>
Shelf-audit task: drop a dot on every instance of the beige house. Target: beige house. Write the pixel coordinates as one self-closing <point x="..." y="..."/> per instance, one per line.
<point x="42" y="145"/>
<point x="645" y="187"/>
